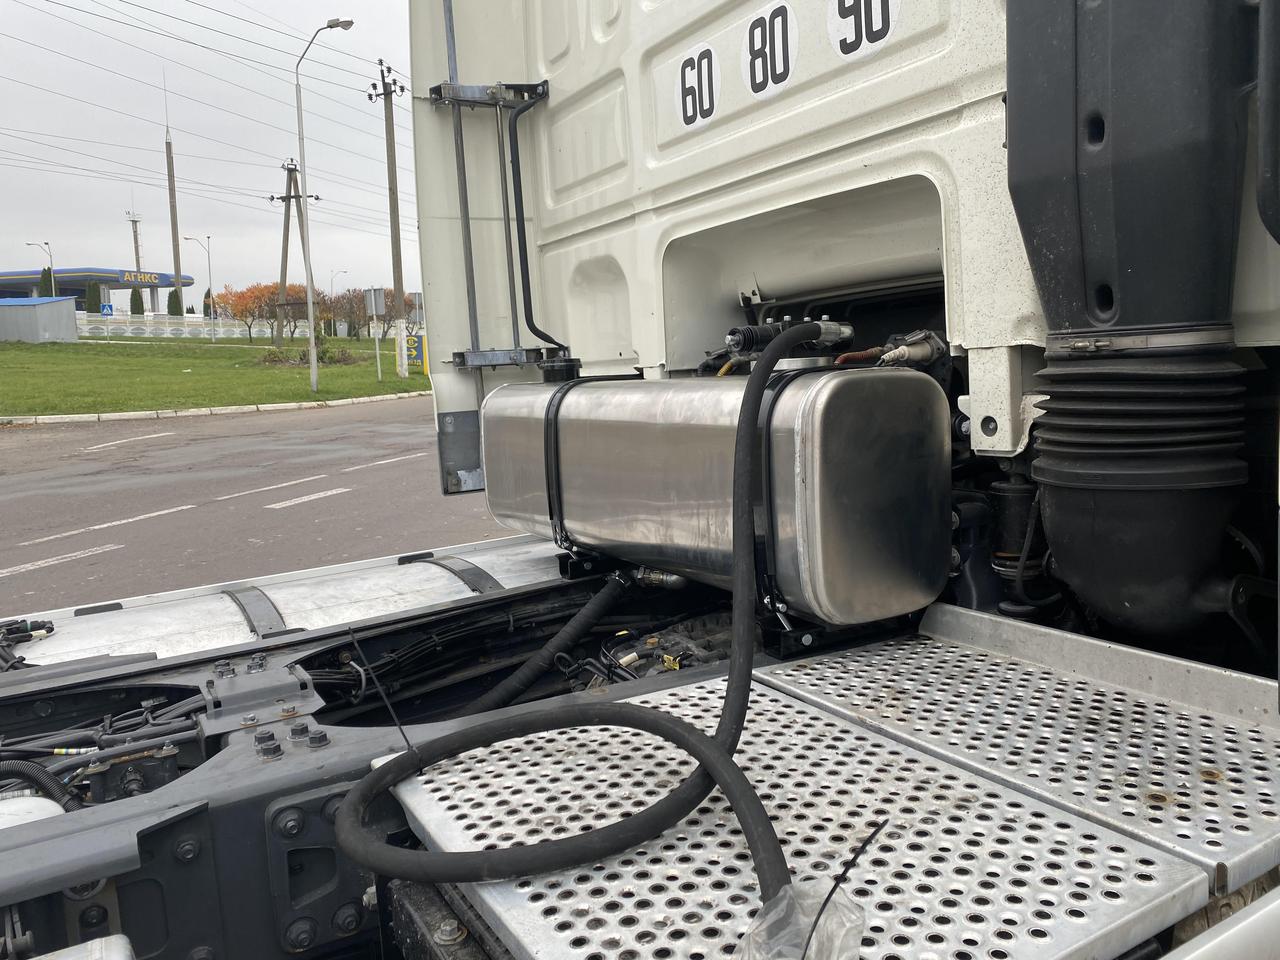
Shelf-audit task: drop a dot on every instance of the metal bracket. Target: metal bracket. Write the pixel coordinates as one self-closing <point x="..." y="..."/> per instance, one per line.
<point x="250" y="699"/>
<point x="486" y="94"/>
<point x="578" y="566"/>
<point x="518" y="357"/>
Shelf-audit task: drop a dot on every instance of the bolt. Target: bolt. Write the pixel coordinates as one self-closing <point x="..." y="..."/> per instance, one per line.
<point x="186" y="849"/>
<point x="93" y="916"/>
<point x="807" y="639"/>
<point x="449" y="931"/>
<point x="301" y="934"/>
<point x="288" y="710"/>
<point x="298" y="731"/>
<point x="262" y="736"/>
<point x="248" y="720"/>
<point x="289" y="822"/>
<point x="317" y="739"/>
<point x="347" y="919"/>
<point x="955" y="558"/>
<point x="201" y="953"/>
<point x="271" y="751"/>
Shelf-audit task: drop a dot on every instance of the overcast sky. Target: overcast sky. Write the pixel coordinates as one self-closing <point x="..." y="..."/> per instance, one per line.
<point x="74" y="192"/>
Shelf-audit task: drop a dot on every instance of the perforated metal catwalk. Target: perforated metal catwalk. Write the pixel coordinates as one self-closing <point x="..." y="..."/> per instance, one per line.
<point x="966" y="869"/>
<point x="1190" y="779"/>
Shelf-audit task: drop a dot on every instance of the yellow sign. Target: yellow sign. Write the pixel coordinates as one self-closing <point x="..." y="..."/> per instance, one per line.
<point x="135" y="277"/>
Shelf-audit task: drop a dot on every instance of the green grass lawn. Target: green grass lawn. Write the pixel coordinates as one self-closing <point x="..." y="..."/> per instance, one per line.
<point x="48" y="378"/>
<point x="363" y="345"/>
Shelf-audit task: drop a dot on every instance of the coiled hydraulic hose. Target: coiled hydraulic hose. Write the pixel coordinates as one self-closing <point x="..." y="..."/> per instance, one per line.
<point x="714" y="755"/>
<point x="40" y="778"/>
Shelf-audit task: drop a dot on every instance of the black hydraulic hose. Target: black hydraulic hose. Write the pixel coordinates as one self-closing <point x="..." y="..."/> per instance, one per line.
<point x="522" y="239"/>
<point x="523" y="678"/>
<point x="435" y="867"/>
<point x="366" y="847"/>
<point x="41" y="778"/>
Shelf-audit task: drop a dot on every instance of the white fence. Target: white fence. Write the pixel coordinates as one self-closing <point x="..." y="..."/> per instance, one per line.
<point x="158" y="325"/>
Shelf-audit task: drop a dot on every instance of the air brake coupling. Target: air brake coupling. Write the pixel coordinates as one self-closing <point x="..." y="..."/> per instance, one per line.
<point x="754" y="338"/>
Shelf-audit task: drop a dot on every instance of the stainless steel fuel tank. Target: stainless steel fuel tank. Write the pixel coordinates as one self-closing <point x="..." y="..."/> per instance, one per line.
<point x="860" y="469"/>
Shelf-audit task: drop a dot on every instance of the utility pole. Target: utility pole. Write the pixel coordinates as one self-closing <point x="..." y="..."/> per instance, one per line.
<point x="386" y="88"/>
<point x="173" y="218"/>
<point x="134" y="219"/>
<point x="282" y="298"/>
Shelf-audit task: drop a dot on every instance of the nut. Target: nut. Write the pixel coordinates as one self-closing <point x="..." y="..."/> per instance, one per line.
<point x="347" y="919"/>
<point x="289" y="822"/>
<point x="301" y="934"/>
<point x="93" y="916"/>
<point x="317" y="739"/>
<point x="263" y="736"/>
<point x="271" y="751"/>
<point x="248" y="720"/>
<point x="186" y="849"/>
<point x="298" y="730"/>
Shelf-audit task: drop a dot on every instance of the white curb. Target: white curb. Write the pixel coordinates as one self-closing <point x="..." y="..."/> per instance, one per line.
<point x="205" y="411"/>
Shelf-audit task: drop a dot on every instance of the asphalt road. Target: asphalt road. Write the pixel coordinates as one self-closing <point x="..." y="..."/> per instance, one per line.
<point x="96" y="512"/>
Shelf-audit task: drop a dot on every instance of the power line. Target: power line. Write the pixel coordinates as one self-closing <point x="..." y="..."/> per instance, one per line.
<point x="204" y="73"/>
<point x="204" y="103"/>
<point x="232" y="189"/>
<point x="287" y="31"/>
<point x="158" y="123"/>
<point x="191" y="193"/>
<point x="224" y="33"/>
<point x="170" y="35"/>
<point x="340" y="181"/>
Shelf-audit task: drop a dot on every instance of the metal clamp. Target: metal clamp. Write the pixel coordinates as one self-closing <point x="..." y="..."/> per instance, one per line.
<point x="762" y="502"/>
<point x="551" y="457"/>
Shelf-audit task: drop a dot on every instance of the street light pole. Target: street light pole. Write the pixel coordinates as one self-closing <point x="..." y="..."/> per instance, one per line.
<point x="48" y="252"/>
<point x="208" y="261"/>
<point x="332" y="274"/>
<point x="305" y="225"/>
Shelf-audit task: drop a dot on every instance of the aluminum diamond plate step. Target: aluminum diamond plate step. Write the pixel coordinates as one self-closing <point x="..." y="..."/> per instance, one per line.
<point x="967" y="868"/>
<point x="1198" y="784"/>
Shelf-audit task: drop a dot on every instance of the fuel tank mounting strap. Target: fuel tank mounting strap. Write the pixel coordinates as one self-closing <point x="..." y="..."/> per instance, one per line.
<point x="477" y="579"/>
<point x="551" y="456"/>
<point x="762" y="502"/>
<point x="259" y="612"/>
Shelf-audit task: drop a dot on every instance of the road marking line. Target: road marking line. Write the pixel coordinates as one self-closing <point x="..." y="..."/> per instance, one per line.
<point x="116" y="443"/>
<point x="103" y="526"/>
<point x="308" y="497"/>
<point x="78" y="555"/>
<point x="378" y="463"/>
<point x="274" y="486"/>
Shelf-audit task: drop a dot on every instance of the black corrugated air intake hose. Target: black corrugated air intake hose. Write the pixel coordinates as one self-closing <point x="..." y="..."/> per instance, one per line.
<point x="714" y="755"/>
<point x="40" y="778"/>
<point x="1126" y="163"/>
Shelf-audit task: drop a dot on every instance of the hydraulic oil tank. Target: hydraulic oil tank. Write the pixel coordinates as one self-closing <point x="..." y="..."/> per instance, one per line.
<point x="858" y="485"/>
